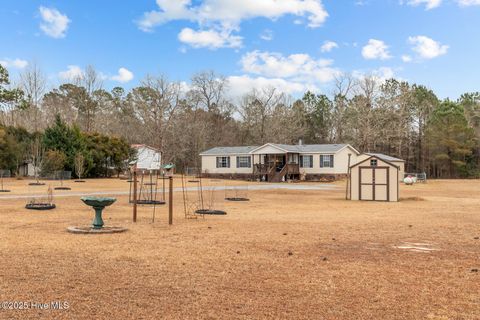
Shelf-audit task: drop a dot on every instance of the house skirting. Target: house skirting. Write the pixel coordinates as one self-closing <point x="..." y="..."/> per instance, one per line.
<point x="248" y="176"/>
<point x="230" y="176"/>
<point x="326" y="177"/>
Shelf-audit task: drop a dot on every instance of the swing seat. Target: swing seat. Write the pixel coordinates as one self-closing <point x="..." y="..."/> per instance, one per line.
<point x="150" y="202"/>
<point x="211" y="212"/>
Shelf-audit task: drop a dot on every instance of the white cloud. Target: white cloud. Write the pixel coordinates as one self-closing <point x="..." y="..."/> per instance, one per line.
<point x="432" y="4"/>
<point x="406" y="58"/>
<point x="466" y="3"/>
<point x="54" y="23"/>
<point x="266" y="35"/>
<point x="124" y="75"/>
<point x="376" y="49"/>
<point x="380" y="75"/>
<point x="429" y="4"/>
<point x="211" y="39"/>
<point x="14" y="63"/>
<point x="297" y="67"/>
<point x="384" y="73"/>
<point x="218" y="19"/>
<point x="328" y="46"/>
<point x="73" y="72"/>
<point x="427" y="48"/>
<point x="232" y="12"/>
<point x="292" y="74"/>
<point x="241" y="85"/>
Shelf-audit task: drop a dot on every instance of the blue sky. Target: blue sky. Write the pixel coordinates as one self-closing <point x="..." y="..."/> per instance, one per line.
<point x="291" y="44"/>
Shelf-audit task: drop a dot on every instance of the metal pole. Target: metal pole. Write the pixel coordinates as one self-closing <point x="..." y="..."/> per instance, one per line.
<point x="134" y="196"/>
<point x="170" y="200"/>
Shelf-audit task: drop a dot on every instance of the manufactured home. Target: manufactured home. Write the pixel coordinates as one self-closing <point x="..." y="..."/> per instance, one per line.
<point x="280" y="162"/>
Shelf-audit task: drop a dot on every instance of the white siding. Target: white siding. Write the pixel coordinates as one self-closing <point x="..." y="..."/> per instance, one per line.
<point x="148" y="159"/>
<point x="340" y="162"/>
<point x="209" y="165"/>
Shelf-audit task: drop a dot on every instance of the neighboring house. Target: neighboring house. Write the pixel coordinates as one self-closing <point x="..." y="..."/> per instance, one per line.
<point x="148" y="158"/>
<point x="279" y="162"/>
<point x="27" y="169"/>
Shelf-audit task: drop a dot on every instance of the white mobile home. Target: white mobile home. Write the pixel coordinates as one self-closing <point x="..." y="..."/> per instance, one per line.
<point x="279" y="162"/>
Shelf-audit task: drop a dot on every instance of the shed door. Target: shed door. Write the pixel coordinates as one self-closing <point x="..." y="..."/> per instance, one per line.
<point x="374" y="183"/>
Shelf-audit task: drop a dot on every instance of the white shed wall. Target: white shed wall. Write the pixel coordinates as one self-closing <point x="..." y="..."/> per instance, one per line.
<point x="148" y="159"/>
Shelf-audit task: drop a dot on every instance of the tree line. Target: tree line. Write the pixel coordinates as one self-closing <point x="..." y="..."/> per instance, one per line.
<point x="439" y="137"/>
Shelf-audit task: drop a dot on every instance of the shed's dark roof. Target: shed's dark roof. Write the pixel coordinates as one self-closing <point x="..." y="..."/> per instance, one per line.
<point x="385" y="157"/>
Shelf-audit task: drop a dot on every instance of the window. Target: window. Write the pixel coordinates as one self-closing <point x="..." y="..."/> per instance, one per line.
<point x="326" y="161"/>
<point x="244" y="162"/>
<point x="223" y="162"/>
<point x="373" y="162"/>
<point x="306" y="161"/>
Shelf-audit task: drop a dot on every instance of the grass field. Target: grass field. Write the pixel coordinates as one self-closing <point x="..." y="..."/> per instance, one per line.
<point x="286" y="254"/>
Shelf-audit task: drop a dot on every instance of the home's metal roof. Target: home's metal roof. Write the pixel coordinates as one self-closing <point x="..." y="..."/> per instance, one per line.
<point x="304" y="148"/>
<point x="228" y="150"/>
<point x="384" y="157"/>
<point x="313" y="148"/>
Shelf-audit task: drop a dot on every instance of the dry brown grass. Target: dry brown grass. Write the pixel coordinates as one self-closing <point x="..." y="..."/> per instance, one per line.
<point x="283" y="255"/>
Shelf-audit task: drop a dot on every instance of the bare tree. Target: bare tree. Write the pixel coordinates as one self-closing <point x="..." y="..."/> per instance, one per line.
<point x="209" y="89"/>
<point x="33" y="83"/>
<point x="155" y="103"/>
<point x="91" y="81"/>
<point x="79" y="163"/>
<point x="344" y="86"/>
<point x="37" y="157"/>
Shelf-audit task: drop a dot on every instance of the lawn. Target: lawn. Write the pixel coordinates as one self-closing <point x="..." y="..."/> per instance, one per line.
<point x="285" y="254"/>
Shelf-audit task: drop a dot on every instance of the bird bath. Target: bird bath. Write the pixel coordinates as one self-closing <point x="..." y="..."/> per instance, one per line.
<point x="98" y="205"/>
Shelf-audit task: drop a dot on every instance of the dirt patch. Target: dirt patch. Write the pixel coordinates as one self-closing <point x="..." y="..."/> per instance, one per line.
<point x="412" y="199"/>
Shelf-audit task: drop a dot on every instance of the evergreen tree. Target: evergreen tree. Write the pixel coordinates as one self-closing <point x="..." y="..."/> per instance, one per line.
<point x="451" y="141"/>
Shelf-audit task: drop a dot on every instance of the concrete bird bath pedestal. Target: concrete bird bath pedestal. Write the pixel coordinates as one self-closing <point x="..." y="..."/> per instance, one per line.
<point x="98" y="204"/>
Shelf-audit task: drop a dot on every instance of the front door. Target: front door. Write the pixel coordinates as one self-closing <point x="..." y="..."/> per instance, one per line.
<point x="374" y="183"/>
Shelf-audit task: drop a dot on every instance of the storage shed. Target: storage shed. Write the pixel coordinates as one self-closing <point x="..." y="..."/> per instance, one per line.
<point x="374" y="179"/>
<point x="396" y="161"/>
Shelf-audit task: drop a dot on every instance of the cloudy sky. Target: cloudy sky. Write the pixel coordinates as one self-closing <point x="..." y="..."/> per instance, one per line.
<point x="293" y="45"/>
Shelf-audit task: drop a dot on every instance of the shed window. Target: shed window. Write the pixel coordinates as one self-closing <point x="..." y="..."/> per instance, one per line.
<point x="326" y="161"/>
<point x="306" y="161"/>
<point x="373" y="162"/>
<point x="223" y="162"/>
<point x="244" y="162"/>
